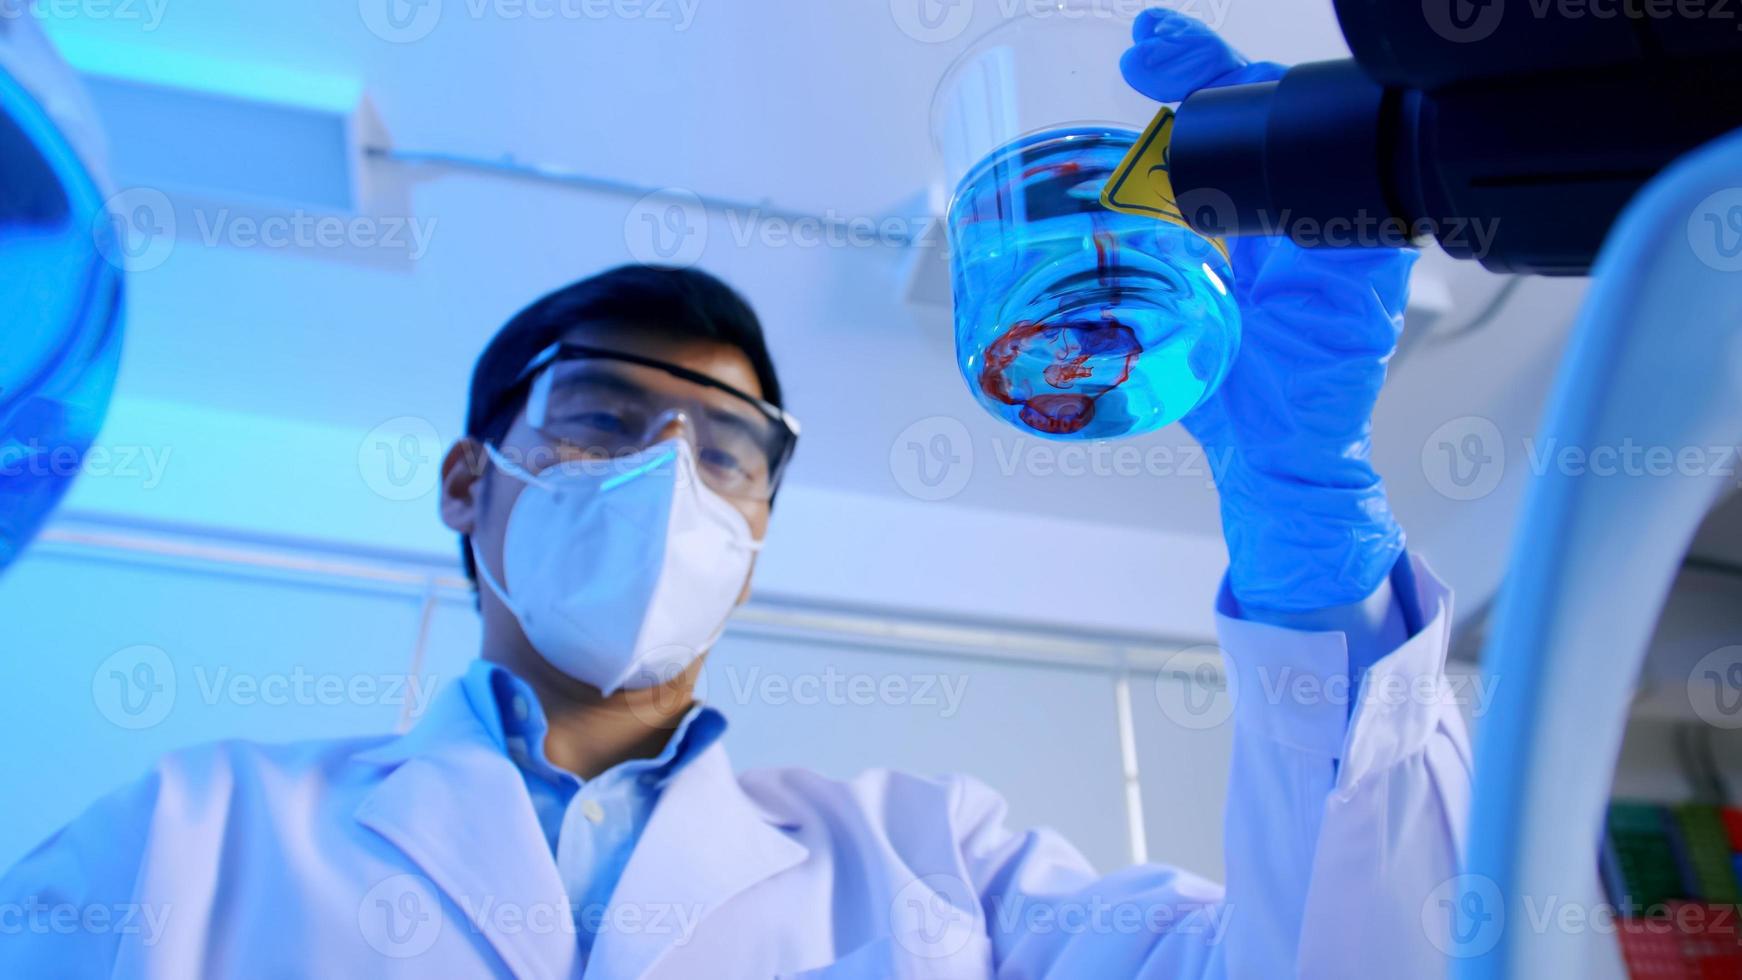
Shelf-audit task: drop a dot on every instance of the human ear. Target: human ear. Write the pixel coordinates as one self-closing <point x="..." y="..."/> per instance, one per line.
<point x="462" y="485"/>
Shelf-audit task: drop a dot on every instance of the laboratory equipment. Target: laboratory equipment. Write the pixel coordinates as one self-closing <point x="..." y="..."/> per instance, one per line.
<point x="1573" y="623"/>
<point x="1511" y="139"/>
<point x="1585" y="144"/>
<point x="59" y="292"/>
<point x="1328" y="322"/>
<point x="1072" y="321"/>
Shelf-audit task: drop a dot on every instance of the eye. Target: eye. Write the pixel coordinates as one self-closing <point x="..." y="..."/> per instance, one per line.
<point x="735" y="474"/>
<point x="608" y="422"/>
<point x="720" y="459"/>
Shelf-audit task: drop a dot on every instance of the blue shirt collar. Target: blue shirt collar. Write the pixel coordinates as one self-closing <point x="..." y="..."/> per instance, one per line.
<point x="510" y="711"/>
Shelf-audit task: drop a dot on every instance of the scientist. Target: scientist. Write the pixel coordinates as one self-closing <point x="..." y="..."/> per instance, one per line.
<point x="567" y="808"/>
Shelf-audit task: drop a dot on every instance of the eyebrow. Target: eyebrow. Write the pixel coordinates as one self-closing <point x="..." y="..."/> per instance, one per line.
<point x="607" y="381"/>
<point x="735" y="421"/>
<point x="613" y="382"/>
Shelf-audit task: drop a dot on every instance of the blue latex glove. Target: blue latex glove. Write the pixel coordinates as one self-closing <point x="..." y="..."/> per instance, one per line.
<point x="1288" y="433"/>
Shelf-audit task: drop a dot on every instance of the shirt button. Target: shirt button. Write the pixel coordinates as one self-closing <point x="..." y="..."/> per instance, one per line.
<point x="593" y="811"/>
<point x="522" y="710"/>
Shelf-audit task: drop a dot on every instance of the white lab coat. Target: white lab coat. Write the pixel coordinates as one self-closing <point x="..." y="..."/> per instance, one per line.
<point x="420" y="856"/>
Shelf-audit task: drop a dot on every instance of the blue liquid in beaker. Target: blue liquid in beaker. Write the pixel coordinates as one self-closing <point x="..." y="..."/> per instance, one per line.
<point x="60" y="317"/>
<point x="1073" y="321"/>
<point x="68" y="336"/>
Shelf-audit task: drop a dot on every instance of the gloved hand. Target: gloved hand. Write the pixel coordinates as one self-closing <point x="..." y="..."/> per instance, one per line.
<point x="1305" y="516"/>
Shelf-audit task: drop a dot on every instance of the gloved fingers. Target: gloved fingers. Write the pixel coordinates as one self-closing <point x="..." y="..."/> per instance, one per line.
<point x="1370" y="285"/>
<point x="1153" y="21"/>
<point x="1174" y="55"/>
<point x="1273" y="273"/>
<point x="1314" y="338"/>
<point x="1250" y="254"/>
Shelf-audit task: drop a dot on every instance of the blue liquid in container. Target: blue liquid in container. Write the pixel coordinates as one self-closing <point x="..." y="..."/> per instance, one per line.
<point x="60" y="317"/>
<point x="43" y="437"/>
<point x="1073" y="321"/>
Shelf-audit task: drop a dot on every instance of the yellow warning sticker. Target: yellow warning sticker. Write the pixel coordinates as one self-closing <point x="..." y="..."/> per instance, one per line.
<point x="1143" y="184"/>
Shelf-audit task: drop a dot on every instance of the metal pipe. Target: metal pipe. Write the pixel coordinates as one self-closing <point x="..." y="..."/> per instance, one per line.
<point x="762" y="617"/>
<point x="507" y="166"/>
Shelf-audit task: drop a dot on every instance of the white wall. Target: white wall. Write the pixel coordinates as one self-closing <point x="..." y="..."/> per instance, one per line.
<point x="124" y="644"/>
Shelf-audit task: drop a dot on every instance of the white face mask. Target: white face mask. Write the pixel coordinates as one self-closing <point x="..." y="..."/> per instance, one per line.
<point x="621" y="572"/>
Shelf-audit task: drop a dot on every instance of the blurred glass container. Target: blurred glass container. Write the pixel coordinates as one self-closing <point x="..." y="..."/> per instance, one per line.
<point x="60" y="295"/>
<point x="1072" y="321"/>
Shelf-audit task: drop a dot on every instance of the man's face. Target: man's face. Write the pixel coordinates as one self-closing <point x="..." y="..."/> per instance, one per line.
<point x="477" y="497"/>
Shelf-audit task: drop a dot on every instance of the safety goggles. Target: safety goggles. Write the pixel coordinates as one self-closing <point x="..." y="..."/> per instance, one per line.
<point x="595" y="403"/>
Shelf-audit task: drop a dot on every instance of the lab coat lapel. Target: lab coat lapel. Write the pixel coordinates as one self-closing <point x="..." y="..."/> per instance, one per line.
<point x="457" y="806"/>
<point x="705" y="842"/>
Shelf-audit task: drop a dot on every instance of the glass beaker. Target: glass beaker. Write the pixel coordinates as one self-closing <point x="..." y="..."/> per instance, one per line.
<point x="1072" y="321"/>
<point x="60" y="298"/>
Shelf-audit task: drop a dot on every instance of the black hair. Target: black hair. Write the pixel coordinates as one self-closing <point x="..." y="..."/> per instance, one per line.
<point x="686" y="303"/>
